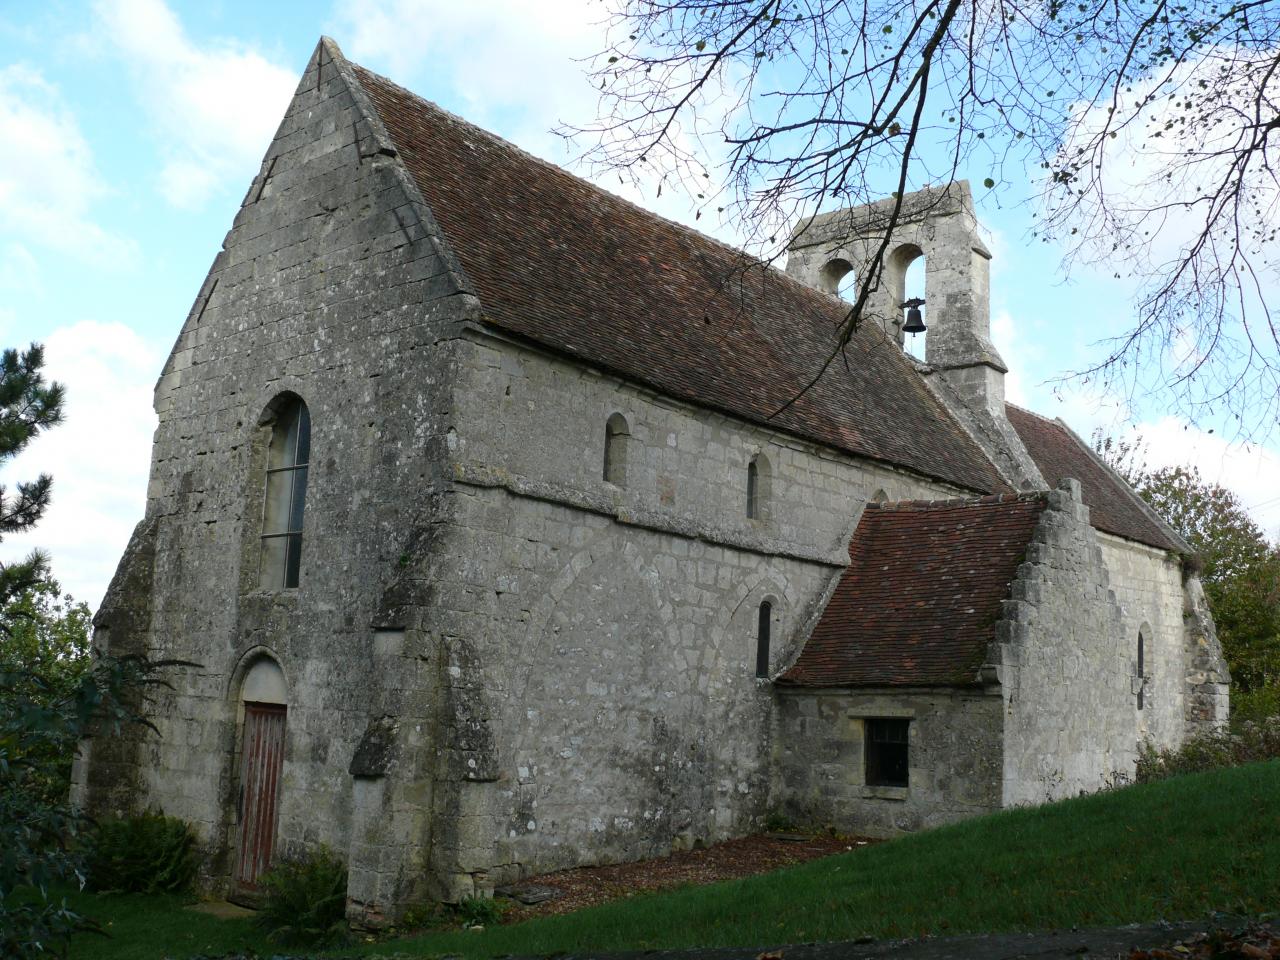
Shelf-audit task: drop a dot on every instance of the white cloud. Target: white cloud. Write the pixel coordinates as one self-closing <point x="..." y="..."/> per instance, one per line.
<point x="48" y="182"/>
<point x="99" y="458"/>
<point x="1251" y="471"/>
<point x="216" y="106"/>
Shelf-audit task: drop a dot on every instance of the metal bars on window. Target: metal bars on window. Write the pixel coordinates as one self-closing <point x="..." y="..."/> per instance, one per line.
<point x="286" y="494"/>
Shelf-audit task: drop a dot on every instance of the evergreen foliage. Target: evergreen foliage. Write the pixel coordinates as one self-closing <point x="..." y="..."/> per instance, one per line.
<point x="28" y="406"/>
<point x="147" y="854"/>
<point x="305" y="899"/>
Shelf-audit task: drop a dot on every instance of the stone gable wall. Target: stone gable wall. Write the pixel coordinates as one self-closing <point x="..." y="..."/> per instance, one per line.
<point x="330" y="285"/>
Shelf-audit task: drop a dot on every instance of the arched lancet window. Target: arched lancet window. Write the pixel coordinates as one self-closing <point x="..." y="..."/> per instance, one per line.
<point x="763" y="628"/>
<point x="286" y="495"/>
<point x="880" y="496"/>
<point x="1142" y="673"/>
<point x="616" y="433"/>
<point x="758" y="483"/>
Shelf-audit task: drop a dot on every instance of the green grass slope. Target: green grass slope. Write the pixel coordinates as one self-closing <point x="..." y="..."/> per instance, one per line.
<point x="1175" y="850"/>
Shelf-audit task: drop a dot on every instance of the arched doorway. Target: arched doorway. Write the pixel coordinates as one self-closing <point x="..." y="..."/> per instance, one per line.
<point x="264" y="702"/>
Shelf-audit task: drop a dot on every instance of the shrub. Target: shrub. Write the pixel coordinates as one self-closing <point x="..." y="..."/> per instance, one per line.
<point x="479" y="912"/>
<point x="305" y="899"/>
<point x="1254" y="706"/>
<point x="1249" y="743"/>
<point x="147" y="854"/>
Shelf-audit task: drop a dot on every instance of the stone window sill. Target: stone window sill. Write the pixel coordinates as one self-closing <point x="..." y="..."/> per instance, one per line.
<point x="885" y="793"/>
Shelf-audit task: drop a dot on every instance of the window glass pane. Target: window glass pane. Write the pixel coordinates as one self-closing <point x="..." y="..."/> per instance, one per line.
<point x="887" y="753"/>
<point x="275" y="513"/>
<point x="302" y="452"/>
<point x="299" y="479"/>
<point x="294" y="559"/>
<point x="751" y="489"/>
<point x="273" y="562"/>
<point x="284" y="438"/>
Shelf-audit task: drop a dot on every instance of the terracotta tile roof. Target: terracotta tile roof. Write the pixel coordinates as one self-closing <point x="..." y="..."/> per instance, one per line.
<point x="561" y="262"/>
<point x="1113" y="507"/>
<point x="920" y="598"/>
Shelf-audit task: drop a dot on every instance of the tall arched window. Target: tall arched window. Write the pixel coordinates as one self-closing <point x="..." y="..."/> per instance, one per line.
<point x="763" y="628"/>
<point x="758" y="482"/>
<point x="616" y="433"/>
<point x="286" y="495"/>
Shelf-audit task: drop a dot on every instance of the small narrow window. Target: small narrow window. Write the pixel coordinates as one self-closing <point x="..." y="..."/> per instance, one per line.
<point x="758" y="487"/>
<point x="762" y="639"/>
<point x="886" y="753"/>
<point x="615" y="449"/>
<point x="284" y="504"/>
<point x="1142" y="680"/>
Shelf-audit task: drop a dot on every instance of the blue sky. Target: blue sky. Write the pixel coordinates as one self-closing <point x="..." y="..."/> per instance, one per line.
<point x="130" y="129"/>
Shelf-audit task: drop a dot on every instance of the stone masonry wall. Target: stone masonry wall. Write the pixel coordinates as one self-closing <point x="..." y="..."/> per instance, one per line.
<point x="954" y="750"/>
<point x="1148" y="584"/>
<point x="1066" y="664"/>
<point x="331" y="284"/>
<point x="610" y="629"/>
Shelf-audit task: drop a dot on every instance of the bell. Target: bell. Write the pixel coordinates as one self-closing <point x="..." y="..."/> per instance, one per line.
<point x="915" y="323"/>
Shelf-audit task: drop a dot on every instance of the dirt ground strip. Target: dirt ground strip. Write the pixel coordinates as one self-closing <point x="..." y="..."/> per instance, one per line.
<point x="580" y="887"/>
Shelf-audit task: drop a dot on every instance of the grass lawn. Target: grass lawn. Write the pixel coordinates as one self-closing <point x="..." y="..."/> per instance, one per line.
<point x="1176" y="850"/>
<point x="143" y="927"/>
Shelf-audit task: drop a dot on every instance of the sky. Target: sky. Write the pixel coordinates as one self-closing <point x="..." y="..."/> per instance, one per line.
<point x="130" y="130"/>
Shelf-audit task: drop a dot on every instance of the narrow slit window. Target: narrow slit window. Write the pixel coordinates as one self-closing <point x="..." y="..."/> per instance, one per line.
<point x="616" y="433"/>
<point x="763" y="628"/>
<point x="288" y="459"/>
<point x="1142" y="642"/>
<point x="758" y="481"/>
<point x="887" y="753"/>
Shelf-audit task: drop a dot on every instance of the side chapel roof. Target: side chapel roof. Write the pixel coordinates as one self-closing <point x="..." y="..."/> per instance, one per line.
<point x="563" y="263"/>
<point x="1113" y="506"/>
<point x="919" y="601"/>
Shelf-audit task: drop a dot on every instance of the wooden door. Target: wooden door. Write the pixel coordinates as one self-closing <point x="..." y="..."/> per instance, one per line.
<point x="261" y="759"/>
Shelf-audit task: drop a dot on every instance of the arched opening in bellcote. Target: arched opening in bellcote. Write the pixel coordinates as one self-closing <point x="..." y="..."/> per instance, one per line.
<point x="905" y="279"/>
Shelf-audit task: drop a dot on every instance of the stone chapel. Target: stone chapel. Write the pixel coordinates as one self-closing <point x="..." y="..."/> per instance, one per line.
<point x="506" y="536"/>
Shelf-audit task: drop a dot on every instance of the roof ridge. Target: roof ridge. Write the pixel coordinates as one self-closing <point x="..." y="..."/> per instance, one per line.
<point x="753" y="261"/>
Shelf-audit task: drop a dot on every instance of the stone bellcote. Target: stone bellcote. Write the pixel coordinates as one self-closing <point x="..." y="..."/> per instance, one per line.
<point x="963" y="366"/>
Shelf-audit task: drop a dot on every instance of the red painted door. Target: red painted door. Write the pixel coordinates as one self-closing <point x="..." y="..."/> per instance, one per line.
<point x="260" y="764"/>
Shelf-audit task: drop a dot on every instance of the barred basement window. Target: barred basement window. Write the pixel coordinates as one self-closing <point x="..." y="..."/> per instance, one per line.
<point x="762" y="640"/>
<point x="286" y="495"/>
<point x="886" y="753"/>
